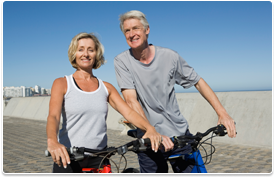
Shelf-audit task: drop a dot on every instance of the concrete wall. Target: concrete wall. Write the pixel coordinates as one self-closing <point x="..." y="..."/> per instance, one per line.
<point x="252" y="112"/>
<point x="28" y="107"/>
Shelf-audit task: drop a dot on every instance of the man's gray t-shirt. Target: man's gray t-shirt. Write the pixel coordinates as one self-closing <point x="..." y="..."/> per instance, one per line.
<point x="154" y="84"/>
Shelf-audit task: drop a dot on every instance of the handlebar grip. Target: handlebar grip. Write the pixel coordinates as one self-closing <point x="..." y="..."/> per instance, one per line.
<point x="222" y="126"/>
<point x="220" y="131"/>
<point x="147" y="141"/>
<point x="47" y="153"/>
<point x="70" y="150"/>
<point x="143" y="142"/>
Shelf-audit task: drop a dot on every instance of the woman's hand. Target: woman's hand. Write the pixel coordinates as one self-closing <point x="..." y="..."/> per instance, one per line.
<point x="154" y="137"/>
<point x="157" y="139"/>
<point x="58" y="152"/>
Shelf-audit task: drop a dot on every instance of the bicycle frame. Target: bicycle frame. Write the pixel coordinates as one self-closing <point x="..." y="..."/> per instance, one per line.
<point x="199" y="167"/>
<point x="196" y="157"/>
<point x="106" y="169"/>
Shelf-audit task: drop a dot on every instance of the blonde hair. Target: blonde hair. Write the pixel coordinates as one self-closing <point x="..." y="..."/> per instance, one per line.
<point x="133" y="14"/>
<point x="99" y="59"/>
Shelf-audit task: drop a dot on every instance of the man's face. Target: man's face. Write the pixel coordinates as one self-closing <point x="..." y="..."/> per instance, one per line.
<point x="135" y="34"/>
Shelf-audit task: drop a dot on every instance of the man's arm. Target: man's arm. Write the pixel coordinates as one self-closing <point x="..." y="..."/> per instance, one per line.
<point x="130" y="97"/>
<point x="223" y="116"/>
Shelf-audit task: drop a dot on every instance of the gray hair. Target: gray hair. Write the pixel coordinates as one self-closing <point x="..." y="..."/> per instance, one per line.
<point x="133" y="14"/>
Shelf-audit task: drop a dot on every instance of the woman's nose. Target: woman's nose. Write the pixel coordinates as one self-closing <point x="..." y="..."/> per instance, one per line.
<point x="85" y="53"/>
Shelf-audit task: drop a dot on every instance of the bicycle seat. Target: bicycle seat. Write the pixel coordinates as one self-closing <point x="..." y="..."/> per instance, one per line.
<point x="132" y="133"/>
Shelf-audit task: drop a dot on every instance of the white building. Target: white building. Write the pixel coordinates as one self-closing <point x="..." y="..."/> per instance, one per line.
<point x="37" y="89"/>
<point x="17" y="91"/>
<point x="26" y="91"/>
<point x="23" y="91"/>
<point x="48" y="91"/>
<point x="43" y="91"/>
<point x="13" y="92"/>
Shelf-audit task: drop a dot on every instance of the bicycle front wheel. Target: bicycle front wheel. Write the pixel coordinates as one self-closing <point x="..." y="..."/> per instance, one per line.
<point x="131" y="170"/>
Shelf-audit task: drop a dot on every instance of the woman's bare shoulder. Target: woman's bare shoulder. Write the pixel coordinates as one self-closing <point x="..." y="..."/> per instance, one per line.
<point x="60" y="84"/>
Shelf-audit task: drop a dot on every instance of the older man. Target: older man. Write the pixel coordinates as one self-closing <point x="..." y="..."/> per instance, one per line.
<point x="146" y="75"/>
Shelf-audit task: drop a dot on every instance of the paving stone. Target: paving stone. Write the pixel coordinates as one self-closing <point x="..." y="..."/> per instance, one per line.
<point x="24" y="143"/>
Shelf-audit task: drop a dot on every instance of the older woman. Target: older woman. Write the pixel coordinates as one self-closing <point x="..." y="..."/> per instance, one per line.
<point x="83" y="99"/>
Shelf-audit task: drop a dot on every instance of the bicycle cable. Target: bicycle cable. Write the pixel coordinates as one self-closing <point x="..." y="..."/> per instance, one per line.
<point x="106" y="156"/>
<point x="125" y="162"/>
<point x="117" y="167"/>
<point x="206" y="155"/>
<point x="212" y="147"/>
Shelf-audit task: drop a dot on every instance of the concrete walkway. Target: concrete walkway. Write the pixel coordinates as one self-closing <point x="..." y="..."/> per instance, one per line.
<point x="24" y="143"/>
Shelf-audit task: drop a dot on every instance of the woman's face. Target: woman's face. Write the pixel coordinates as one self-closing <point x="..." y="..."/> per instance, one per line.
<point x="85" y="53"/>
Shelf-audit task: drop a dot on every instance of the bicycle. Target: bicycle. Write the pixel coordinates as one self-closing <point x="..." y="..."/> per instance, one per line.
<point x="77" y="153"/>
<point x="194" y="141"/>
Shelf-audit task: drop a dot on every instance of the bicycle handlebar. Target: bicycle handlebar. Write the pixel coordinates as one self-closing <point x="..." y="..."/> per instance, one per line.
<point x="77" y="153"/>
<point x="218" y="130"/>
<point x="195" y="140"/>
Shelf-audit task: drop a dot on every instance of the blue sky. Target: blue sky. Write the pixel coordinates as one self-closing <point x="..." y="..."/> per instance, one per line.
<point x="229" y="44"/>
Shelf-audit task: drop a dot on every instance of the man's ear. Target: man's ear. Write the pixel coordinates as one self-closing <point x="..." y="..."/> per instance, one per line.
<point x="147" y="30"/>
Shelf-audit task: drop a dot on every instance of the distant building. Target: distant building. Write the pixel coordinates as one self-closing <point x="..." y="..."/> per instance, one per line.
<point x="32" y="89"/>
<point x="43" y="91"/>
<point x="13" y="92"/>
<point x="23" y="91"/>
<point x="37" y="89"/>
<point x="17" y="91"/>
<point x="48" y="91"/>
<point x="26" y="91"/>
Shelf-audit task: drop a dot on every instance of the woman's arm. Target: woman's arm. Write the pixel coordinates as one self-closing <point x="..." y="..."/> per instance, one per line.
<point x="132" y="116"/>
<point x="130" y="97"/>
<point x="56" y="149"/>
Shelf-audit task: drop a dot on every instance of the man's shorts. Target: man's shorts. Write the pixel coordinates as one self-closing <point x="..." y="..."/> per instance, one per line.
<point x="151" y="162"/>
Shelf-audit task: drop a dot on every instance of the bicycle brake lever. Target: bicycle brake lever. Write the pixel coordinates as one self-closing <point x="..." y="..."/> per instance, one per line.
<point x="144" y="144"/>
<point x="122" y="150"/>
<point x="77" y="153"/>
<point x="220" y="130"/>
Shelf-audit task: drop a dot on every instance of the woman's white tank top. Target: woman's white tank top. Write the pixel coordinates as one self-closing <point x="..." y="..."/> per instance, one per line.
<point x="84" y="117"/>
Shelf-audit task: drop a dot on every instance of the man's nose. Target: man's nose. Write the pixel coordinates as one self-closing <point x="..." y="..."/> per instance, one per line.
<point x="131" y="33"/>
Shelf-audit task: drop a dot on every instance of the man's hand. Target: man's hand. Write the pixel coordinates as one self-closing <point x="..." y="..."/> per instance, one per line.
<point x="167" y="143"/>
<point x="212" y="98"/>
<point x="229" y="124"/>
